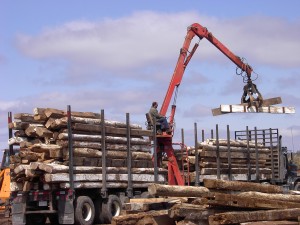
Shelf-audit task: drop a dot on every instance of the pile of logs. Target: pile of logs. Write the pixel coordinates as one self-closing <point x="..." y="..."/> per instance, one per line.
<point x="44" y="154"/>
<point x="233" y="157"/>
<point x="217" y="202"/>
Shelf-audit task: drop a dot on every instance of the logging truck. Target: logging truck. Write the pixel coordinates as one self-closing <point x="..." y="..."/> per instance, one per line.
<point x="73" y="171"/>
<point x="60" y="172"/>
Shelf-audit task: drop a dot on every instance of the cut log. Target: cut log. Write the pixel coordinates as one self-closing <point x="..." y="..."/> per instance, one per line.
<point x="108" y="139"/>
<point x="177" y="191"/>
<point x="54" y="113"/>
<point x="232" y="143"/>
<point x="111" y="130"/>
<point x="192" y="212"/>
<point x="97" y="145"/>
<point x="234" y="200"/>
<point x="242" y="186"/>
<point x="21" y="168"/>
<point x="54" y="168"/>
<point x="24" y="117"/>
<point x="62" y="122"/>
<point x="235" y="149"/>
<point x="44" y="147"/>
<point x="248" y="216"/>
<point x="234" y="155"/>
<point x="44" y="132"/>
<point x="278" y="197"/>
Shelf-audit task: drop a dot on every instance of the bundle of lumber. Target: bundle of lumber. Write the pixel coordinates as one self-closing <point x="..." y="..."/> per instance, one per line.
<point x="235" y="157"/>
<point x="217" y="202"/>
<point x="44" y="151"/>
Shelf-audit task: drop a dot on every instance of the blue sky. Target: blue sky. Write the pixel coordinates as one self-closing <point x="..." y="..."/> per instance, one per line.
<point x="120" y="55"/>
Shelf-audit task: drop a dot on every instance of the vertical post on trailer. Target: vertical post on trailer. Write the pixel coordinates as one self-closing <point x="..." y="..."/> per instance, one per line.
<point x="129" y="158"/>
<point x="9" y="120"/>
<point x="103" y="149"/>
<point x="272" y="155"/>
<point x="248" y="156"/>
<point x="218" y="152"/>
<point x="70" y="148"/>
<point x="256" y="155"/>
<point x="229" y="154"/>
<point x="155" y="152"/>
<point x="197" y="156"/>
<point x="212" y="134"/>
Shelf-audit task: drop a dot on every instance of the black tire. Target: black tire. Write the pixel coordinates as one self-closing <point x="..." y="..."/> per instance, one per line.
<point x="36" y="219"/>
<point x="111" y="207"/>
<point x="84" y="211"/>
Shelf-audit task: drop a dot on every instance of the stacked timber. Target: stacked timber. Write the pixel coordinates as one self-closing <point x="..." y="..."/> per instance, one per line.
<point x="217" y="202"/>
<point x="43" y="159"/>
<point x="234" y="157"/>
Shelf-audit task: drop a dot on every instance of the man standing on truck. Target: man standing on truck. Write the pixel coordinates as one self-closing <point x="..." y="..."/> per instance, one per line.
<point x="164" y="125"/>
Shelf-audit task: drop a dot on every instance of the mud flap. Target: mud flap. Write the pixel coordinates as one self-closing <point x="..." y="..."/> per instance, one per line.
<point x="18" y="209"/>
<point x="65" y="211"/>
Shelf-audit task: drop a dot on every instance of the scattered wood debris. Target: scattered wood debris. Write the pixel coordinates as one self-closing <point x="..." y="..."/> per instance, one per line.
<point x="217" y="202"/>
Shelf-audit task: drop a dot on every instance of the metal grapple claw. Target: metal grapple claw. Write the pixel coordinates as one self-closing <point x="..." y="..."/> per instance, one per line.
<point x="251" y="95"/>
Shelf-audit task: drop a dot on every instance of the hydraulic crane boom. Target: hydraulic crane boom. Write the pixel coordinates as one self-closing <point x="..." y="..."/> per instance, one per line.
<point x="164" y="142"/>
<point x="183" y="60"/>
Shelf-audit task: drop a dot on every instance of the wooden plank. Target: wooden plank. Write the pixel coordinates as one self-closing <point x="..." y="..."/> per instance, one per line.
<point x="266" y="102"/>
<point x="253" y="109"/>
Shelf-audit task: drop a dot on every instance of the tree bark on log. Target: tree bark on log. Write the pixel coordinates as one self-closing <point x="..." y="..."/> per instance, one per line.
<point x="24" y="117"/>
<point x="234" y="149"/>
<point x="233" y="143"/>
<point x="86" y="152"/>
<point x="108" y="139"/>
<point x="278" y="197"/>
<point x="242" y="186"/>
<point x="234" y="155"/>
<point x="62" y="122"/>
<point x="235" y="200"/>
<point x="97" y="145"/>
<point x="111" y="130"/>
<point x="177" y="191"/>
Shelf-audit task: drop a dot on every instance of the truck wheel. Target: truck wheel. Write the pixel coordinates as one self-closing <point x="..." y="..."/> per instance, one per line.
<point x="111" y="207"/>
<point x="84" y="211"/>
<point x="36" y="219"/>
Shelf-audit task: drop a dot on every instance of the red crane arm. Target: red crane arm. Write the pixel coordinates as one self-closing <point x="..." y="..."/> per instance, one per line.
<point x="183" y="60"/>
